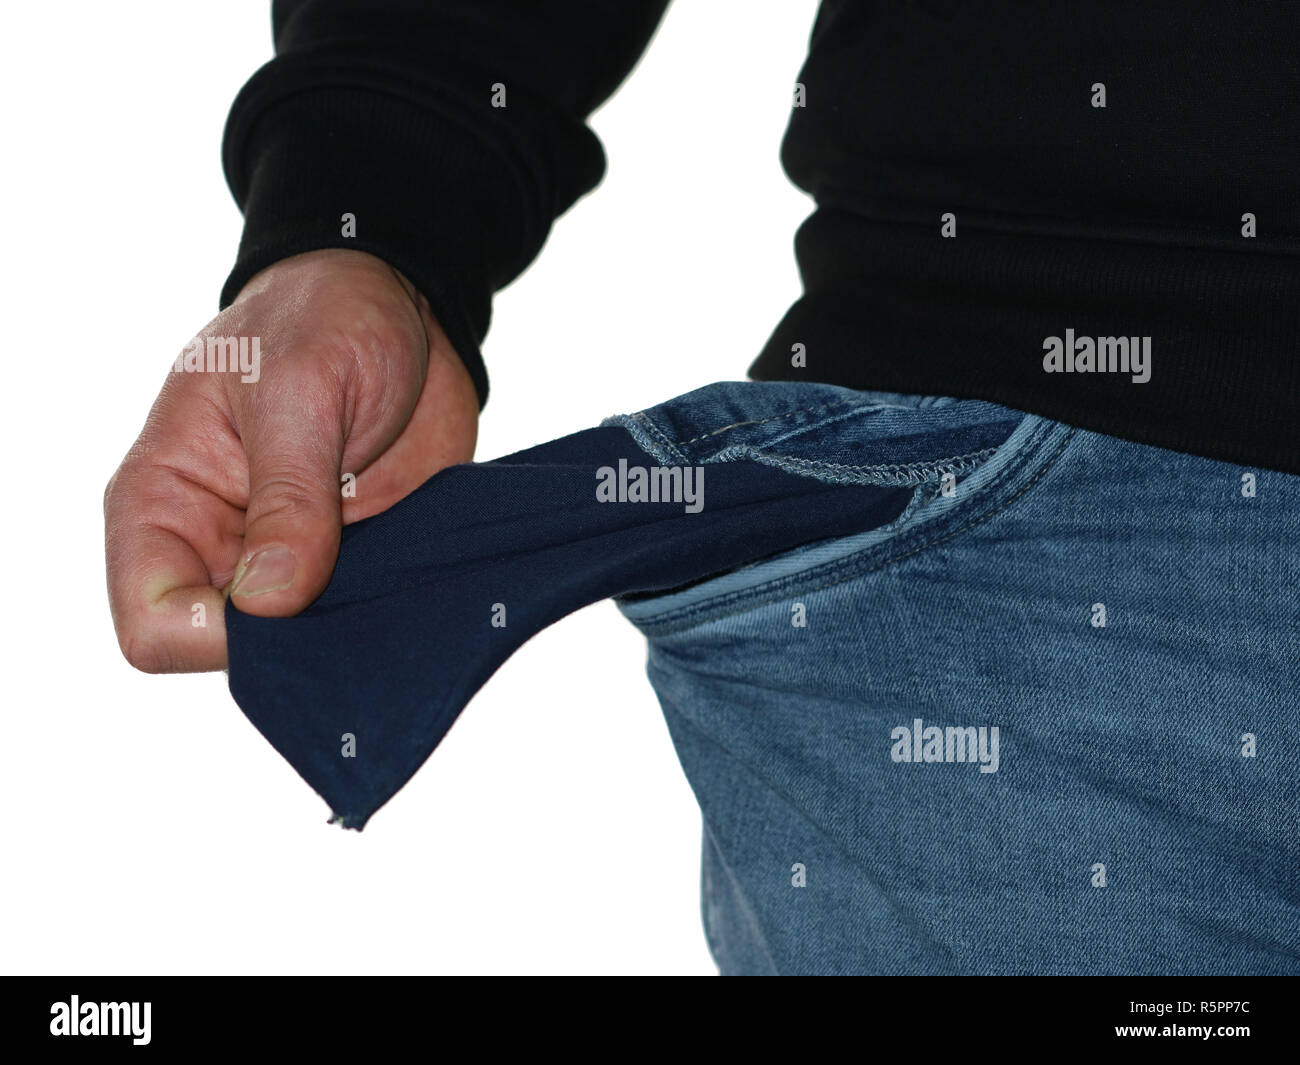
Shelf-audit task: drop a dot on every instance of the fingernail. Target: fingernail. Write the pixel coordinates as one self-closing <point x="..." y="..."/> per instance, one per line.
<point x="270" y="570"/>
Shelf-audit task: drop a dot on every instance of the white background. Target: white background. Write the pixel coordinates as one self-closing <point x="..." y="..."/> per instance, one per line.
<point x="147" y="827"/>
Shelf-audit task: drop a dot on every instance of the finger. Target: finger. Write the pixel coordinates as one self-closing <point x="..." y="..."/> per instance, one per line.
<point x="293" y="438"/>
<point x="440" y="433"/>
<point x="169" y="542"/>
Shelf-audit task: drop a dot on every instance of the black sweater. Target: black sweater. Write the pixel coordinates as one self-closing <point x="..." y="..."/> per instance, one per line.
<point x="975" y="199"/>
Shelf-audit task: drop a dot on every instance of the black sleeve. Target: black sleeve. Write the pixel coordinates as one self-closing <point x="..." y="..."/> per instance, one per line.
<point x="390" y="111"/>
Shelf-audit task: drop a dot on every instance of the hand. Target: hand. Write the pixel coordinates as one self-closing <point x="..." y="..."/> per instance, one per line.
<point x="235" y="484"/>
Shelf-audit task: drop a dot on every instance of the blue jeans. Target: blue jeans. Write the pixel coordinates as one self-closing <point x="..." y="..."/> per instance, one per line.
<point x="1045" y="721"/>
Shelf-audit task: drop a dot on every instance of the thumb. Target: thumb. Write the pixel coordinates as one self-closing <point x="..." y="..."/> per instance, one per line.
<point x="292" y="524"/>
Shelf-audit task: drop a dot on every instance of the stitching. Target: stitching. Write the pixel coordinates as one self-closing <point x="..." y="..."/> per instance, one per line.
<point x="904" y="474"/>
<point x="853" y="562"/>
<point x="774" y="418"/>
<point x="652" y="429"/>
<point x="741" y="600"/>
<point x="866" y="408"/>
<point x="688" y="617"/>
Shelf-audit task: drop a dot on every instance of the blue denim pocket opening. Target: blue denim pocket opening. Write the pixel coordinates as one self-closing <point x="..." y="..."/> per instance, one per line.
<point x="920" y="441"/>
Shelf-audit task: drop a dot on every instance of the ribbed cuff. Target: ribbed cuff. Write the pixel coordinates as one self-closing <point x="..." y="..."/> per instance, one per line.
<point x="453" y="194"/>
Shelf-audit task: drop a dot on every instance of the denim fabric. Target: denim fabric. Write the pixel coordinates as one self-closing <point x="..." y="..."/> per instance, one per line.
<point x="1126" y="617"/>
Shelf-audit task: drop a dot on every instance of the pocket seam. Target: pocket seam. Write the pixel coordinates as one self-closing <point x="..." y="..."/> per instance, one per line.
<point x="773" y="418"/>
<point x="654" y="439"/>
<point x="885" y="473"/>
<point x="859" y="563"/>
<point x="890" y="474"/>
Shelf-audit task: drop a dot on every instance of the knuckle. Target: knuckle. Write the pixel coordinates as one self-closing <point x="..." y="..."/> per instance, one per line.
<point x="146" y="652"/>
<point x="378" y="336"/>
<point x="113" y="489"/>
<point x="286" y="496"/>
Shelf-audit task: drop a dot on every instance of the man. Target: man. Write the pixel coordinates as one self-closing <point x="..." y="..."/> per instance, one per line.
<point x="1084" y="216"/>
